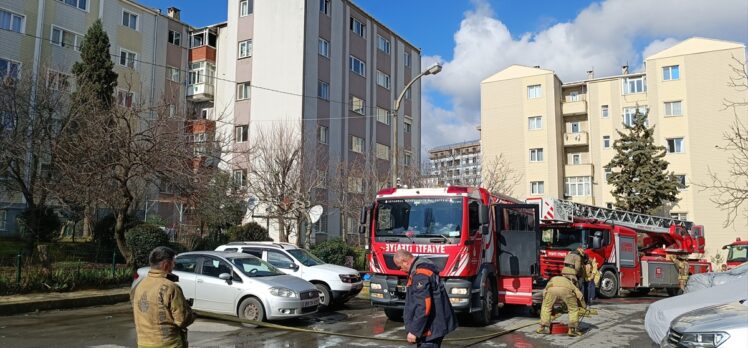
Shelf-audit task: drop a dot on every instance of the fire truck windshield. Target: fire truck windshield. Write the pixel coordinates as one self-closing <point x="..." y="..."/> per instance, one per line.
<point x="571" y="238"/>
<point x="738" y="253"/>
<point x="419" y="217"/>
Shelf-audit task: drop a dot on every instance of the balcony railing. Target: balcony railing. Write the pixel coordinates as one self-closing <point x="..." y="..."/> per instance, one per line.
<point x="200" y="92"/>
<point x="576" y="139"/>
<point x="574" y="104"/>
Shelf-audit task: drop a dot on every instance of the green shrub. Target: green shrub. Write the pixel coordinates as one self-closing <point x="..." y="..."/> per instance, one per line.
<point x="65" y="277"/>
<point x="40" y="224"/>
<point x="143" y="238"/>
<point x="333" y="251"/>
<point x="360" y="262"/>
<point x="210" y="242"/>
<point x="103" y="232"/>
<point x="249" y="232"/>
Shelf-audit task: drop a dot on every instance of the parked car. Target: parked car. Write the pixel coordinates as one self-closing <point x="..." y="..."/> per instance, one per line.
<point x="242" y="285"/>
<point x="336" y="284"/>
<point x="711" y="279"/>
<point x="724" y="326"/>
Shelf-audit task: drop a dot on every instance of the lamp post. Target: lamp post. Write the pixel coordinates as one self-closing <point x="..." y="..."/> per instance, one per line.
<point x="432" y="70"/>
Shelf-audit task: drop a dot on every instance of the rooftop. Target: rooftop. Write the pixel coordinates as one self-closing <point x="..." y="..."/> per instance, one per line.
<point x="456" y="145"/>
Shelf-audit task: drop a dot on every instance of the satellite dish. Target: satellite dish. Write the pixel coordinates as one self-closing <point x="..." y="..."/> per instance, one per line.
<point x="315" y="213"/>
<point x="252" y="202"/>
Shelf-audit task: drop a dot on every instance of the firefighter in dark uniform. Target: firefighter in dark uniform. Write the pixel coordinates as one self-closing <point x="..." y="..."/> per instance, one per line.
<point x="428" y="313"/>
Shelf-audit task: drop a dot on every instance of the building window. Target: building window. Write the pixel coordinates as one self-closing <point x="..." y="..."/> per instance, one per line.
<point x="575" y="159"/>
<point x="321" y="179"/>
<point x="358" y="105"/>
<point x="358" y="66"/>
<point x="383" y="151"/>
<point x="324" y="6"/>
<point x="65" y="38"/>
<point x="323" y="134"/>
<point x="201" y="72"/>
<point x="357" y="144"/>
<point x="174" y="74"/>
<point x="670" y="73"/>
<point x="681" y="178"/>
<point x="383" y="79"/>
<point x="58" y="81"/>
<point x="324" y="47"/>
<point x="407" y="124"/>
<point x="634" y="85"/>
<point x="240" y="177"/>
<point x="383" y="44"/>
<point x="245" y="48"/>
<point x="576" y="127"/>
<point x="80" y="4"/>
<point x="241" y="133"/>
<point x="11" y="21"/>
<point x="604" y="111"/>
<point x="608" y="172"/>
<point x="383" y="116"/>
<point x="406" y="58"/>
<point x="407" y="158"/>
<point x="243" y="90"/>
<point x="355" y="185"/>
<point x="124" y="98"/>
<point x="3" y="220"/>
<point x="357" y="27"/>
<point x="535" y="122"/>
<point x="130" y="20"/>
<point x="679" y="216"/>
<point x="537" y="187"/>
<point x="246" y="7"/>
<point x="175" y="38"/>
<point x="675" y="145"/>
<point x="630" y="113"/>
<point x="127" y="58"/>
<point x="9" y="68"/>
<point x="534" y="91"/>
<point x="673" y="108"/>
<point x="578" y="186"/>
<point x="536" y="155"/>
<point x="606" y="141"/>
<point x="323" y="90"/>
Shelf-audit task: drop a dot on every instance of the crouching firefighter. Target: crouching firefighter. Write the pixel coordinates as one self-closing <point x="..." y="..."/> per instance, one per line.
<point x="428" y="313"/>
<point x="565" y="289"/>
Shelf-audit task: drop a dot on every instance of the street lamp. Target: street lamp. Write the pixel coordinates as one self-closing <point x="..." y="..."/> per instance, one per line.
<point x="432" y="70"/>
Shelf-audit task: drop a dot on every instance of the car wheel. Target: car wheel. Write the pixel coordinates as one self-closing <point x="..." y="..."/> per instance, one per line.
<point x="483" y="317"/>
<point x="325" y="295"/>
<point x="251" y="309"/>
<point x="608" y="285"/>
<point x="394" y="314"/>
<point x="674" y="291"/>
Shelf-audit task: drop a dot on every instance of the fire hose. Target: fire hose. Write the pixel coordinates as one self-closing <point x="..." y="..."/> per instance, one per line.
<point x="479" y="338"/>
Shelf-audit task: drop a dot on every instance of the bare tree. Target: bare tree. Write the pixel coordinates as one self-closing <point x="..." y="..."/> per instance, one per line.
<point x="731" y="191"/>
<point x="498" y="175"/>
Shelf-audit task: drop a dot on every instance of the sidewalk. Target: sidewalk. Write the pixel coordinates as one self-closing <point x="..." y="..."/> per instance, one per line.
<point x="14" y="304"/>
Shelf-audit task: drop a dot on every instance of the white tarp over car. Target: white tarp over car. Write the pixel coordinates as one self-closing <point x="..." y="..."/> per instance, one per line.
<point x="661" y="313"/>
<point x="710" y="279"/>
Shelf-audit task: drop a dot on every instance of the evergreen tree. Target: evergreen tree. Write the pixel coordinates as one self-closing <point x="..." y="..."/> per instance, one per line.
<point x="639" y="175"/>
<point x="94" y="72"/>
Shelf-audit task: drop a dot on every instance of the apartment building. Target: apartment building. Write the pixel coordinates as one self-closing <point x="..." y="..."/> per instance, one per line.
<point x="560" y="135"/>
<point x="456" y="164"/>
<point x="149" y="49"/>
<point x="324" y="66"/>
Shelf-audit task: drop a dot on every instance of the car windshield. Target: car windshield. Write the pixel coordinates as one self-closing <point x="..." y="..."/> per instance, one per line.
<point x="306" y="258"/>
<point x="738" y="253"/>
<point x="419" y="217"/>
<point x="254" y="267"/>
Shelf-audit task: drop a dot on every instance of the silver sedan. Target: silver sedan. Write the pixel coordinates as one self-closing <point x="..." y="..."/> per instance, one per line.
<point x="241" y="285"/>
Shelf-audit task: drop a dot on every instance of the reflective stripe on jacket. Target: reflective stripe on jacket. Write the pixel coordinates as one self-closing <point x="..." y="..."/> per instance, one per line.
<point x="428" y="312"/>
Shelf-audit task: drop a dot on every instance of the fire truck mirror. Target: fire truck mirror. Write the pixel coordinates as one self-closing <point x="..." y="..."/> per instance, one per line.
<point x="724" y="247"/>
<point x="483" y="215"/>
<point x="597" y="242"/>
<point x="364" y="213"/>
<point x="361" y="229"/>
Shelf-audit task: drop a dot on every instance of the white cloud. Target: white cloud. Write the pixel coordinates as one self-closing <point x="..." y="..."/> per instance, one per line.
<point x="602" y="37"/>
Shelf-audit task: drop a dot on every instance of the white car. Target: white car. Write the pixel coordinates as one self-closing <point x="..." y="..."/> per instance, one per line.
<point x="336" y="284"/>
<point x="241" y="285"/>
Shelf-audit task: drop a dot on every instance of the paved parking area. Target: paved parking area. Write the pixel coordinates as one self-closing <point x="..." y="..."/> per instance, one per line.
<point x="620" y="322"/>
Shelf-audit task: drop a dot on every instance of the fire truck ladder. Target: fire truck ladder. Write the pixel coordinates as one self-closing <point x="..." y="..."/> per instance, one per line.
<point x="568" y="211"/>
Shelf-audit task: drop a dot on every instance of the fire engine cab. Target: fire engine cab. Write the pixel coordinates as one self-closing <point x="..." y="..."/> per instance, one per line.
<point x="737" y="253"/>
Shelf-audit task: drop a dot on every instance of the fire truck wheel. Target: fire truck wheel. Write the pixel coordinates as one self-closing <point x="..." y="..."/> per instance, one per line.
<point x="608" y="285"/>
<point x="639" y="291"/>
<point x="488" y="306"/>
<point x="394" y="314"/>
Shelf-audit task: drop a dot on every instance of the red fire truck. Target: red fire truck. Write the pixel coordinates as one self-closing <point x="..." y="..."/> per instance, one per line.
<point x="485" y="245"/>
<point x="631" y="249"/>
<point x="737" y="253"/>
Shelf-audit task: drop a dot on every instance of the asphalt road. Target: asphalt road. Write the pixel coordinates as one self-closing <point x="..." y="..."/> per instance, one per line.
<point x="620" y="323"/>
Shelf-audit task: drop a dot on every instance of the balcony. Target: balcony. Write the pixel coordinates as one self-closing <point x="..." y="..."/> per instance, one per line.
<point x="576" y="139"/>
<point x="578" y="170"/>
<point x="200" y="92"/>
<point x="574" y="105"/>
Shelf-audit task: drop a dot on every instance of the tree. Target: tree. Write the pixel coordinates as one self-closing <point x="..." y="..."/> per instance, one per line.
<point x="94" y="73"/>
<point x="730" y="192"/>
<point x="499" y="176"/>
<point x="218" y="201"/>
<point x="640" y="180"/>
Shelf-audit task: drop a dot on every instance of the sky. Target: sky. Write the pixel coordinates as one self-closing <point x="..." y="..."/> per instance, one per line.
<point x="474" y="39"/>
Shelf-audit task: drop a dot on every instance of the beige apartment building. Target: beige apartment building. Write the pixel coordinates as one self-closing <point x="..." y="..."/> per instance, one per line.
<point x="560" y="135"/>
<point x="149" y="50"/>
<point x="456" y="164"/>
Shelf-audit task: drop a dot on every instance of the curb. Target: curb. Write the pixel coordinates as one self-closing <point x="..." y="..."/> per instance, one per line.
<point x="61" y="303"/>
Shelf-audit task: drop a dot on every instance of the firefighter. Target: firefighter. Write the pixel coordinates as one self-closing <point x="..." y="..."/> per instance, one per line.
<point x="574" y="263"/>
<point x="682" y="266"/>
<point x="591" y="279"/>
<point x="565" y="289"/>
<point x="428" y="313"/>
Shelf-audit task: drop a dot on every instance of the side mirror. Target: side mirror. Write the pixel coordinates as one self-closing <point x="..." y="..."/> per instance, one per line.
<point x="361" y="229"/>
<point x="597" y="242"/>
<point x="293" y="266"/>
<point x="363" y="216"/>
<point x="225" y="276"/>
<point x="724" y="247"/>
<point x="483" y="215"/>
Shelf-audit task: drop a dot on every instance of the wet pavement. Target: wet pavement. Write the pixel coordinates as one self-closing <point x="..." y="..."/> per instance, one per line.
<point x="620" y="322"/>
